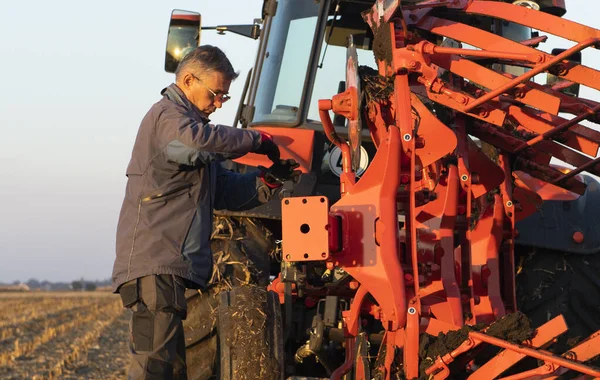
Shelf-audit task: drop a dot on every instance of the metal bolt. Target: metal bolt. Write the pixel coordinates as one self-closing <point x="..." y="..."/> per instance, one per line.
<point x="407" y="137"/>
<point x="509" y="204"/>
<point x="412" y="310"/>
<point x="464" y="177"/>
<point x="519" y="94"/>
<point x="570" y="355"/>
<point x="578" y="237"/>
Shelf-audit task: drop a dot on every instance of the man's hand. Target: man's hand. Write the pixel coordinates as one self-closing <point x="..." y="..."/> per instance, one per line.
<point x="268" y="147"/>
<point x="279" y="172"/>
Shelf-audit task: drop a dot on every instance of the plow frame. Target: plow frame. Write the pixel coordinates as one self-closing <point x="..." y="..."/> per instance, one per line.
<point x="450" y="261"/>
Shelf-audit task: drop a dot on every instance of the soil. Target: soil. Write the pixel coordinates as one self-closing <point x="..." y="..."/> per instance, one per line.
<point x="64" y="335"/>
<point x="382" y="43"/>
<point x="514" y="328"/>
<point x="109" y="357"/>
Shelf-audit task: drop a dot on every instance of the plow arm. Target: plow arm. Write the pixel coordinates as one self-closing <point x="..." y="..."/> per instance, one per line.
<point x="464" y="152"/>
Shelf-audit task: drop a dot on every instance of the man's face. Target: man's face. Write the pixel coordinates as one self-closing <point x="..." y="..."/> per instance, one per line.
<point x="201" y="90"/>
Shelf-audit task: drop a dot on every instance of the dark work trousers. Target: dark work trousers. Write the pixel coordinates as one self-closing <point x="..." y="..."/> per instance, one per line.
<point x="157" y="342"/>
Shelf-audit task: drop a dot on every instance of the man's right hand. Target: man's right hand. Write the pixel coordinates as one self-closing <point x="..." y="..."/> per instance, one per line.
<point x="279" y="172"/>
<point x="268" y="147"/>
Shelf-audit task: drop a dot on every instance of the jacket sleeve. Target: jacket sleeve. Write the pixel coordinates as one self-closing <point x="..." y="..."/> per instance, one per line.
<point x="237" y="192"/>
<point x="181" y="154"/>
<point x="174" y="123"/>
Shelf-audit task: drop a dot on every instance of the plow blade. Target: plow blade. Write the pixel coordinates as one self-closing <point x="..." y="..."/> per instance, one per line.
<point x="529" y="127"/>
<point x="512" y="353"/>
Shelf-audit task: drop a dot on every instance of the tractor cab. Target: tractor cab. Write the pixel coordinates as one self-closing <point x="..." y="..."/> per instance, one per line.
<point x="301" y="56"/>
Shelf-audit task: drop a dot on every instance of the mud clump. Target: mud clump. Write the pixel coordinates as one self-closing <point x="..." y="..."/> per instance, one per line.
<point x="382" y="37"/>
<point x="432" y="347"/>
<point x="514" y="328"/>
<point x="382" y="43"/>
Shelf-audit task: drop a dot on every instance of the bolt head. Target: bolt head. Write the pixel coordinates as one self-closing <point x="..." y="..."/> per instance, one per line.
<point x="570" y="355"/>
<point x="412" y="310"/>
<point x="578" y="237"/>
<point x="407" y="137"/>
<point x="509" y="204"/>
<point x="464" y="177"/>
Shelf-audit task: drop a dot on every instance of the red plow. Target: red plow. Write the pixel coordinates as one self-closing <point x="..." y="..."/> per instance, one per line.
<point x="465" y="140"/>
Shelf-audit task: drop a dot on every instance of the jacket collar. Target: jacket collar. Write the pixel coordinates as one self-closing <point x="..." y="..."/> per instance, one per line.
<point x="174" y="94"/>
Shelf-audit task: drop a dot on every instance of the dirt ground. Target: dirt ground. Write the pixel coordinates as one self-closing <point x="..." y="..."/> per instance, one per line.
<point x="63" y="335"/>
<point x="73" y="335"/>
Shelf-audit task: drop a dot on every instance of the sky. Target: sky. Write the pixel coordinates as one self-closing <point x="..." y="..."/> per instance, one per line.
<point x="75" y="82"/>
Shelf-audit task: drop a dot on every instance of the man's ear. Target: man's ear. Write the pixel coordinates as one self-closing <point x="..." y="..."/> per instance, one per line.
<point x="187" y="80"/>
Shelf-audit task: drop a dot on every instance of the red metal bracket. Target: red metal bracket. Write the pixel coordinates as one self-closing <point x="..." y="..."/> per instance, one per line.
<point x="305" y="232"/>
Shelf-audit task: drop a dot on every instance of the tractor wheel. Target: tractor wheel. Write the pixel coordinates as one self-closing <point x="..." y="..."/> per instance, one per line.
<point x="250" y="335"/>
<point x="201" y="358"/>
<point x="200" y="334"/>
<point x="241" y="250"/>
<point x="550" y="283"/>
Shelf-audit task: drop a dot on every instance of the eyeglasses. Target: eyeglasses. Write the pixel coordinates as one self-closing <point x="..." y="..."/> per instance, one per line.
<point x="220" y="97"/>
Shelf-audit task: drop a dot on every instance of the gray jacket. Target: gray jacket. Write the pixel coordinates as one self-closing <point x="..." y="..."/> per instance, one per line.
<point x="174" y="183"/>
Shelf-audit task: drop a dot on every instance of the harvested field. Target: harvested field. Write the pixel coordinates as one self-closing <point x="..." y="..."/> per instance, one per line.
<point x="66" y="335"/>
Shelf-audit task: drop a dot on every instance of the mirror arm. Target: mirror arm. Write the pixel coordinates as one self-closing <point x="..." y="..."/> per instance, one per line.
<point x="242" y="30"/>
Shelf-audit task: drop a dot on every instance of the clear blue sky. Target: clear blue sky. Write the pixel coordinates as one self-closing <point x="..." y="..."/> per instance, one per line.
<point x="76" y="80"/>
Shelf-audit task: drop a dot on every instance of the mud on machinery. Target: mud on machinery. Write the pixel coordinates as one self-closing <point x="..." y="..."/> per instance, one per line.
<point x="432" y="212"/>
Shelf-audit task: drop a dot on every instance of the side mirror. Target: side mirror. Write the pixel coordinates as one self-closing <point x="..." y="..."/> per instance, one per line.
<point x="183" y="37"/>
<point x="555" y="81"/>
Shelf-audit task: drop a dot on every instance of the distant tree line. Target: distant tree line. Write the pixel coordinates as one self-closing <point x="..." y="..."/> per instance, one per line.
<point x="83" y="286"/>
<point x="45" y="285"/>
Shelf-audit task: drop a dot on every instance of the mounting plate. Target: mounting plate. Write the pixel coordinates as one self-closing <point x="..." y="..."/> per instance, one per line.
<point x="305" y="228"/>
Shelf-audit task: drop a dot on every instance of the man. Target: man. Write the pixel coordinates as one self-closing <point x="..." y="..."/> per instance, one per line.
<point x="174" y="182"/>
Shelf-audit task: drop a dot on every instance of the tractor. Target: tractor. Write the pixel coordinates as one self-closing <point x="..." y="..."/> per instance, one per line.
<point x="444" y="225"/>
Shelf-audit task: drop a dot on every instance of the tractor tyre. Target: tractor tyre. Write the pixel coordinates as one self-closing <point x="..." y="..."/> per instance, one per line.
<point x="240" y="256"/>
<point x="200" y="334"/>
<point x="201" y="358"/>
<point x="552" y="283"/>
<point x="250" y="335"/>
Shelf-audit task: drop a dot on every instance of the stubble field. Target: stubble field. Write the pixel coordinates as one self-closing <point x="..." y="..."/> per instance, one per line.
<point x="63" y="335"/>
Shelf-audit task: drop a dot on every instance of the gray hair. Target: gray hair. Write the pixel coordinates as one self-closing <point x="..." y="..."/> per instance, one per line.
<point x="206" y="59"/>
